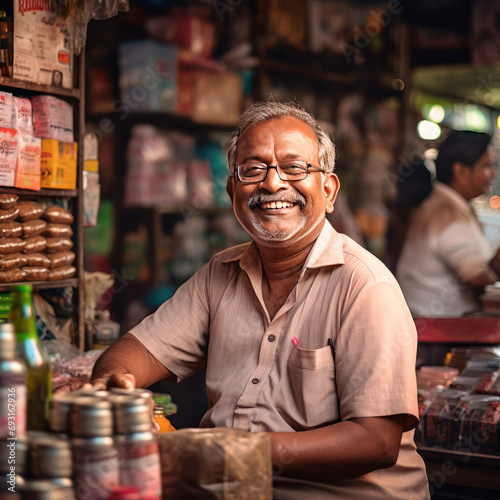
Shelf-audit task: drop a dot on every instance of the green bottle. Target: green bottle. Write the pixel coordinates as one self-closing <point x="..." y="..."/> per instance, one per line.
<point x="30" y="350"/>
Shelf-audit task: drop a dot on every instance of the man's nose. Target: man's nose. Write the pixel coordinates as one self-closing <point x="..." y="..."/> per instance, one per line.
<point x="273" y="182"/>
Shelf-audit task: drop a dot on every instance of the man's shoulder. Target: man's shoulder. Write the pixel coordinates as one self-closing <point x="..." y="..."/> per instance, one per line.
<point x="361" y="261"/>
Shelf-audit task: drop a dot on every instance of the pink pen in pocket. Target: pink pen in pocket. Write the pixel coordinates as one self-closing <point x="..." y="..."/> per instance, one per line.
<point x="295" y="341"/>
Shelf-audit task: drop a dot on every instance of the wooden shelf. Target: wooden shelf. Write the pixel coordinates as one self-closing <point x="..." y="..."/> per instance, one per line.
<point x="42" y="285"/>
<point x="57" y="193"/>
<point x="16" y="83"/>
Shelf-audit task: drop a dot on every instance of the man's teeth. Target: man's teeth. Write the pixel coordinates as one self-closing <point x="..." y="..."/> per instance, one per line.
<point x="276" y="204"/>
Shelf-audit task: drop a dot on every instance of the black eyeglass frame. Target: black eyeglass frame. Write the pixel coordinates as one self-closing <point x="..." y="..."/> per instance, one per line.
<point x="268" y="167"/>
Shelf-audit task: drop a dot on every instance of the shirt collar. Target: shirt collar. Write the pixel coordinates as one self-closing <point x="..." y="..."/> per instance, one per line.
<point x="452" y="194"/>
<point x="328" y="250"/>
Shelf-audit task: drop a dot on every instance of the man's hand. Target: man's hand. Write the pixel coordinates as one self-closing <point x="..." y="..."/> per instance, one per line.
<point x="125" y="380"/>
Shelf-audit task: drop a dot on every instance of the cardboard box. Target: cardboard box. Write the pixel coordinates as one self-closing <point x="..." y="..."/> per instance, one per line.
<point x="59" y="164"/>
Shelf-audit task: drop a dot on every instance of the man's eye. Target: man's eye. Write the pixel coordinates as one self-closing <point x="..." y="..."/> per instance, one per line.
<point x="252" y="171"/>
<point x="293" y="169"/>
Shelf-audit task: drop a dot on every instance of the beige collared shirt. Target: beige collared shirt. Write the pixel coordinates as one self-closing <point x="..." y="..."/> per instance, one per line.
<point x="259" y="380"/>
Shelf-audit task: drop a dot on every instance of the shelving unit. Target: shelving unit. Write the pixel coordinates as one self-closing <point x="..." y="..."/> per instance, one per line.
<point x="76" y="96"/>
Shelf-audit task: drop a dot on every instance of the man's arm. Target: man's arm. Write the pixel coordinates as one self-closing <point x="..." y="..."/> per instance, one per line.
<point x="127" y="363"/>
<point x="344" y="450"/>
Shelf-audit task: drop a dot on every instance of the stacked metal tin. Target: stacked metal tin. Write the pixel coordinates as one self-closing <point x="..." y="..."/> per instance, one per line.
<point x="99" y="441"/>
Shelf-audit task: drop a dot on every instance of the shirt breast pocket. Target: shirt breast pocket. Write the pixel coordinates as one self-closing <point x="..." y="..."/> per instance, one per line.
<point x="312" y="383"/>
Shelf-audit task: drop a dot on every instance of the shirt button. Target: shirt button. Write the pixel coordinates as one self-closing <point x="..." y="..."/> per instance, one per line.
<point x="271" y="338"/>
<point x="255" y="381"/>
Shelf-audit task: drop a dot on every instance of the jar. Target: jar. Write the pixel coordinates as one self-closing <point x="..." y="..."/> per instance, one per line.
<point x="51" y="458"/>
<point x="140" y="462"/>
<point x="91" y="416"/>
<point x="437" y="418"/>
<point x="162" y="420"/>
<point x="480" y="429"/>
<point x="131" y="413"/>
<point x="96" y="467"/>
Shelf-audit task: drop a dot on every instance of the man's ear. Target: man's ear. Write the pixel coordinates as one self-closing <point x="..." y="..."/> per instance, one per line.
<point x="331" y="187"/>
<point x="230" y="186"/>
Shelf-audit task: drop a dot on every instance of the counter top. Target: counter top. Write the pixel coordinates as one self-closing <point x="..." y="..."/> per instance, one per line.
<point x="465" y="330"/>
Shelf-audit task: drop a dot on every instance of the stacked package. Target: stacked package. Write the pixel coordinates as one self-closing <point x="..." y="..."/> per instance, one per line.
<point x="35" y="243"/>
<point x="37" y="147"/>
<point x="465" y="415"/>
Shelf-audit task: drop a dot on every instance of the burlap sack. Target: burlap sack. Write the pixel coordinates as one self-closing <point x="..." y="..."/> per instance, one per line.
<point x="219" y="463"/>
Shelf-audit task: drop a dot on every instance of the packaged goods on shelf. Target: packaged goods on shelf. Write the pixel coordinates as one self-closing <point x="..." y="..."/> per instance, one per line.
<point x="9" y="148"/>
<point x="58" y="164"/>
<point x="188" y="32"/>
<point x="90" y="147"/>
<point x="28" y="163"/>
<point x="210" y="97"/>
<point x="22" y="115"/>
<point x="43" y="45"/>
<point x="148" y="77"/>
<point x="52" y="118"/>
<point x="5" y="109"/>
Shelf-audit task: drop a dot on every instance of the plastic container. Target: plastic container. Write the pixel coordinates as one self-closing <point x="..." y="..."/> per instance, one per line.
<point x="480" y="429"/>
<point x="438" y="417"/>
<point x="429" y="377"/>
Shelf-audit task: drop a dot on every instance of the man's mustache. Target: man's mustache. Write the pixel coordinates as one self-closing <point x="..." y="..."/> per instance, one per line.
<point x="259" y="198"/>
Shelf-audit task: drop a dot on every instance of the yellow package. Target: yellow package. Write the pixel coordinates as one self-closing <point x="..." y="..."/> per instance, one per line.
<point x="58" y="164"/>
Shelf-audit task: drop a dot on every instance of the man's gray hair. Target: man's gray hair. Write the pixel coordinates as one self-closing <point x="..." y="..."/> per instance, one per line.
<point x="259" y="112"/>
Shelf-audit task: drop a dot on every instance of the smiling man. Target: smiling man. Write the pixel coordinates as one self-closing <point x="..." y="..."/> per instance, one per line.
<point x="302" y="332"/>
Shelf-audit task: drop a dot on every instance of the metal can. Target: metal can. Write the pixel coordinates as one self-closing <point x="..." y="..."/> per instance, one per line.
<point x="51" y="458"/>
<point x="140" y="463"/>
<point x="91" y="417"/>
<point x="45" y="490"/>
<point x="60" y="411"/>
<point x="13" y="454"/>
<point x="132" y="413"/>
<point x="96" y="467"/>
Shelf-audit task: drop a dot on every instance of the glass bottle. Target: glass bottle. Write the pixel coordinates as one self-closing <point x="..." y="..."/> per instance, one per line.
<point x="30" y="350"/>
<point x="162" y="420"/>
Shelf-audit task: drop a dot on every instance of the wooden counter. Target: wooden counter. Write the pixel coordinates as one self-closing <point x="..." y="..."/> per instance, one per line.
<point x="466" y="330"/>
<point x="452" y="470"/>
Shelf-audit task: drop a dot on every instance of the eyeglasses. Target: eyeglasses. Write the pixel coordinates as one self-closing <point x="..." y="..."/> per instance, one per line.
<point x="296" y="170"/>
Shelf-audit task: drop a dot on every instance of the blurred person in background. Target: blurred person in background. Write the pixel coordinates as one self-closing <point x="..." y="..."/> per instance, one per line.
<point x="446" y="260"/>
<point x="303" y="333"/>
